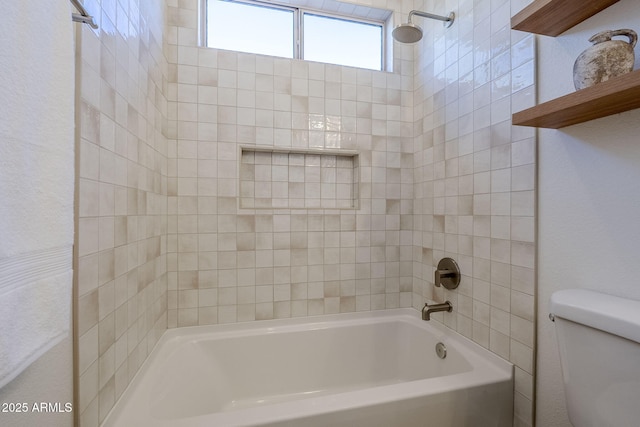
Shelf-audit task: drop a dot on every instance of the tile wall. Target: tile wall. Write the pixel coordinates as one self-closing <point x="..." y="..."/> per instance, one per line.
<point x="121" y="289"/>
<point x="475" y="179"/>
<point x="164" y="240"/>
<point x="307" y="180"/>
<point x="228" y="263"/>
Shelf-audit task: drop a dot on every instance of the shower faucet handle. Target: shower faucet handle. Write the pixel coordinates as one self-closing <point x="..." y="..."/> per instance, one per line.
<point x="447" y="274"/>
<point x="440" y="274"/>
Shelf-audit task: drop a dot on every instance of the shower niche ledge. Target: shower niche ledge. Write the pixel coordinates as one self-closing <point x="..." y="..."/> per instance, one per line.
<point x="604" y="99"/>
<point x="298" y="178"/>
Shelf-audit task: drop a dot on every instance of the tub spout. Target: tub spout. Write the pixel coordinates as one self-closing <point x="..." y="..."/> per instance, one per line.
<point x="428" y="309"/>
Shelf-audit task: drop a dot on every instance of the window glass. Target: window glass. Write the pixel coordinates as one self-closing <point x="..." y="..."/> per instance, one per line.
<point x="279" y="29"/>
<point x="250" y="28"/>
<point x="339" y="41"/>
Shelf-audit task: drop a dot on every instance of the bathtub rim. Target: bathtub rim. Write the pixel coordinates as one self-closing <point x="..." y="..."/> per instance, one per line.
<point x="487" y="368"/>
<point x="323" y="321"/>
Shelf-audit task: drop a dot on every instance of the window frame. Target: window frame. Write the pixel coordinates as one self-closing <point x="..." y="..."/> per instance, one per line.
<point x="298" y="27"/>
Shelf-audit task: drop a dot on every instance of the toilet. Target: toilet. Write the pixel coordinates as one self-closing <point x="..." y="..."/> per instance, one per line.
<point x="599" y="343"/>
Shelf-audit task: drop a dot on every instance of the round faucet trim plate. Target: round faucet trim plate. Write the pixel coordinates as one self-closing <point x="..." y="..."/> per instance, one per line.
<point x="447" y="274"/>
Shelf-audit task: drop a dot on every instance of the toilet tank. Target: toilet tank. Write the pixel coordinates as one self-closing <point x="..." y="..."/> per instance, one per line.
<point x="599" y="342"/>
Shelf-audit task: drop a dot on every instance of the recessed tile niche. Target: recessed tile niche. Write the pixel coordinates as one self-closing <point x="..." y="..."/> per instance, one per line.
<point x="300" y="179"/>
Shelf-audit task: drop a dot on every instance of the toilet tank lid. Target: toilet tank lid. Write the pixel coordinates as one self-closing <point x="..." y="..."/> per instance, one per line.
<point x="609" y="313"/>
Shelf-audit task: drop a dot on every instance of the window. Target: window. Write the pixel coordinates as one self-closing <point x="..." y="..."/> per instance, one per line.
<point x="249" y="27"/>
<point x="292" y="32"/>
<point x="341" y="41"/>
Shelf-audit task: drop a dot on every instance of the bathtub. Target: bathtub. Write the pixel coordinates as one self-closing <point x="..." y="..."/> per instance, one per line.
<point x="368" y="369"/>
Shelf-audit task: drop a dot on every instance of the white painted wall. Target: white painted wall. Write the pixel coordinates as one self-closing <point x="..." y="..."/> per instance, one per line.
<point x="588" y="200"/>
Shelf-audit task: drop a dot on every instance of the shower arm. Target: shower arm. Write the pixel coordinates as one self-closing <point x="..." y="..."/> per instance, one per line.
<point x="83" y="16"/>
<point x="448" y="19"/>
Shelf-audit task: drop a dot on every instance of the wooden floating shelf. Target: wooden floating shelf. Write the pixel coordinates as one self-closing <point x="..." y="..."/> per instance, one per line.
<point x="604" y="99"/>
<point x="553" y="17"/>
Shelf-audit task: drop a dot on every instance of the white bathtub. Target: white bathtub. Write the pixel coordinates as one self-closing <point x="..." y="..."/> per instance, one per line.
<point x="357" y="369"/>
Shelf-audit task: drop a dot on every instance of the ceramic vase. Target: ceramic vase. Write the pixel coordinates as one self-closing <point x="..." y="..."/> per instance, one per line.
<point x="605" y="59"/>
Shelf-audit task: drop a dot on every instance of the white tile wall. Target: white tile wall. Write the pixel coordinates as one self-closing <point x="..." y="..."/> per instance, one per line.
<point x="121" y="290"/>
<point x="164" y="240"/>
<point x="474" y="179"/>
<point x="298" y="180"/>
<point x="245" y="242"/>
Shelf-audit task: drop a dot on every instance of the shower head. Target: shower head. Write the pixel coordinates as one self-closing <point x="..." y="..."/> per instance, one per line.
<point x="407" y="33"/>
<point x="411" y="33"/>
